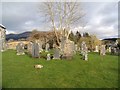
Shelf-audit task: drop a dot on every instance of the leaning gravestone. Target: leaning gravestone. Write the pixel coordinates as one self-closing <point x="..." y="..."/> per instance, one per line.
<point x="56" y="53"/>
<point x="102" y="50"/>
<point x="47" y="47"/>
<point x="35" y="50"/>
<point x="20" y="49"/>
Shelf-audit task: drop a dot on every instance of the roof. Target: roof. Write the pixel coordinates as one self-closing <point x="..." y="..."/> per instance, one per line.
<point x="2" y="26"/>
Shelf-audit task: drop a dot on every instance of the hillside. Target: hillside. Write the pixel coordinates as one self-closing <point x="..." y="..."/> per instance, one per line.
<point x="18" y="36"/>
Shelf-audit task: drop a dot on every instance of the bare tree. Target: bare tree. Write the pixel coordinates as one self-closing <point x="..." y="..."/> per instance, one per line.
<point x="62" y="15"/>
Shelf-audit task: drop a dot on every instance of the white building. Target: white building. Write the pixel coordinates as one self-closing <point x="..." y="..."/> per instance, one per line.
<point x="2" y="37"/>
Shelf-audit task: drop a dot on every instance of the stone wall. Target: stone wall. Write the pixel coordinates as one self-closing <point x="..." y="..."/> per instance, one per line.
<point x="2" y="38"/>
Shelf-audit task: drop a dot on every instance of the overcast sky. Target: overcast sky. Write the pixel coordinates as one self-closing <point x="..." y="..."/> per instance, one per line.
<point x="101" y="18"/>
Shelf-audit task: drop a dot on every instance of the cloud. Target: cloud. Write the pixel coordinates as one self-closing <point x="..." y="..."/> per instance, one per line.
<point x="101" y="18"/>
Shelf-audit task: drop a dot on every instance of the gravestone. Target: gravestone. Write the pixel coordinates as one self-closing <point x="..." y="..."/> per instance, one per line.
<point x="102" y="50"/>
<point x="96" y="49"/>
<point x="84" y="51"/>
<point x="69" y="49"/>
<point x="47" y="47"/>
<point x="109" y="49"/>
<point x="20" y="49"/>
<point x="48" y="57"/>
<point x="82" y="47"/>
<point x="56" y="53"/>
<point x="62" y="44"/>
<point x="35" y="50"/>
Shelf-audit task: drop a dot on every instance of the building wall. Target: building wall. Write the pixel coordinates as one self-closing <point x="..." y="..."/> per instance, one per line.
<point x="2" y="38"/>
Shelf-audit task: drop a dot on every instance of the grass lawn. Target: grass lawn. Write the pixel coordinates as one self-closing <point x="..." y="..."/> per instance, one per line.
<point x="97" y="72"/>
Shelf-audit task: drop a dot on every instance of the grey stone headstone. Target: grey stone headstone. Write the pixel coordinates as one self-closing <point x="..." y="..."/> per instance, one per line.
<point x="109" y="49"/>
<point x="35" y="50"/>
<point x="84" y="51"/>
<point x="56" y="53"/>
<point x="69" y="49"/>
<point x="83" y="46"/>
<point x="20" y="49"/>
<point x="47" y="47"/>
<point x="62" y="44"/>
<point x="96" y="49"/>
<point x="102" y="50"/>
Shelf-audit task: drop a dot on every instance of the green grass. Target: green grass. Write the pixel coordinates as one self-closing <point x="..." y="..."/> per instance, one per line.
<point x="97" y="72"/>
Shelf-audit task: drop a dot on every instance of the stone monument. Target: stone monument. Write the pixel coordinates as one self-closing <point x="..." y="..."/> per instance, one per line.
<point x="20" y="49"/>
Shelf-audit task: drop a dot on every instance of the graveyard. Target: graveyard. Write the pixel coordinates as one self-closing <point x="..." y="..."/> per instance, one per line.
<point x="97" y="72"/>
<point x="59" y="45"/>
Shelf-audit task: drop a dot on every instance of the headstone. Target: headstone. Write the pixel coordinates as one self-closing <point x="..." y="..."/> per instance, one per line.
<point x="56" y="53"/>
<point x="47" y="47"/>
<point x="84" y="51"/>
<point x="109" y="49"/>
<point x="62" y="44"/>
<point x="102" y="50"/>
<point x="48" y="57"/>
<point x="96" y="49"/>
<point x="20" y="49"/>
<point x="35" y="50"/>
<point x="69" y="49"/>
<point x="82" y="47"/>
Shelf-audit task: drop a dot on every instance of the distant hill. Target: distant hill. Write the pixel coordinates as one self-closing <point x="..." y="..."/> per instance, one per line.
<point x="109" y="39"/>
<point x="18" y="36"/>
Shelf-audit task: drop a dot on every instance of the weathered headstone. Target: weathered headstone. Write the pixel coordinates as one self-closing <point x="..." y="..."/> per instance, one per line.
<point x="35" y="50"/>
<point x="48" y="57"/>
<point x="56" y="53"/>
<point x="62" y="44"/>
<point x="96" y="49"/>
<point x="86" y="54"/>
<point x="102" y="50"/>
<point x="109" y="49"/>
<point x="82" y="47"/>
<point x="20" y="49"/>
<point x="84" y="51"/>
<point x="47" y="47"/>
<point x="69" y="48"/>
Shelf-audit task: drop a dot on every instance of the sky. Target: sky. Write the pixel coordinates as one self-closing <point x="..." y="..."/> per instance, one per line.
<point x="101" y="18"/>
